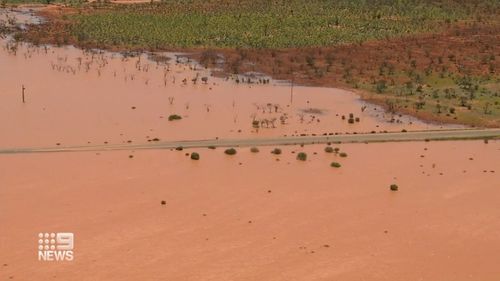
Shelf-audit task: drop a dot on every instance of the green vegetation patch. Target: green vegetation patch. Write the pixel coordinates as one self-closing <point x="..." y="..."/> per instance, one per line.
<point x="195" y="156"/>
<point x="174" y="117"/>
<point x="266" y="24"/>
<point x="302" y="156"/>
<point x="335" y="165"/>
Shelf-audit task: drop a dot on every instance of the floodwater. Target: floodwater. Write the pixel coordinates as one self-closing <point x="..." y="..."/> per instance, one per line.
<point x="19" y="17"/>
<point x="251" y="216"/>
<point x="74" y="97"/>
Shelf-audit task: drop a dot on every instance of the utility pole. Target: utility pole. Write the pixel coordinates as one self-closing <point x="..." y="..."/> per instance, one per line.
<point x="23" y="88"/>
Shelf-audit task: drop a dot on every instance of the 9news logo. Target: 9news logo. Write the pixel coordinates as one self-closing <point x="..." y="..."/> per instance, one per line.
<point x="55" y="246"/>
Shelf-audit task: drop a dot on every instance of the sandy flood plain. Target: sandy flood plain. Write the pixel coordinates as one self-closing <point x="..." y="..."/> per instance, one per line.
<point x="74" y="97"/>
<point x="252" y="217"/>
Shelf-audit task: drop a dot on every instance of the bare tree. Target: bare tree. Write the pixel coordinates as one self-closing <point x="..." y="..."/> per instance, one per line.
<point x="273" y="121"/>
<point x="270" y="107"/>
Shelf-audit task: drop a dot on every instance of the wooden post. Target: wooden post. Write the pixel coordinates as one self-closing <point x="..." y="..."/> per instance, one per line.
<point x="23" y="92"/>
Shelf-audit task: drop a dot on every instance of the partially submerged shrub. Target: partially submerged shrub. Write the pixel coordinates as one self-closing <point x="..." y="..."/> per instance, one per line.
<point x="174" y="117"/>
<point x="394" y="187"/>
<point x="254" y="149"/>
<point x="335" y="165"/>
<point x="276" y="151"/>
<point x="255" y="124"/>
<point x="302" y="156"/>
<point x="329" y="149"/>
<point x="230" y="151"/>
<point x="195" y="156"/>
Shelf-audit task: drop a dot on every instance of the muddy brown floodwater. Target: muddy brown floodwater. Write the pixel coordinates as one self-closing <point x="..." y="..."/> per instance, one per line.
<point x="75" y="97"/>
<point x="251" y="216"/>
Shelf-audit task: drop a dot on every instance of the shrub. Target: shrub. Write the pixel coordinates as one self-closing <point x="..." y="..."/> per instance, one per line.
<point x="276" y="151"/>
<point x="335" y="165"/>
<point x="255" y="124"/>
<point x="343" y="154"/>
<point x="230" y="151"/>
<point x="336" y="149"/>
<point x="394" y="187"/>
<point x="329" y="149"/>
<point x="254" y="149"/>
<point x="302" y="156"/>
<point x="174" y="117"/>
<point x="195" y="156"/>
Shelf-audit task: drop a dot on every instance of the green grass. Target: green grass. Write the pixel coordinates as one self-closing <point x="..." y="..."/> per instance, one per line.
<point x="448" y="97"/>
<point x="267" y="24"/>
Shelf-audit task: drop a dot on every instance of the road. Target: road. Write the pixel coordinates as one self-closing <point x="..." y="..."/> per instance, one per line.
<point x="461" y="134"/>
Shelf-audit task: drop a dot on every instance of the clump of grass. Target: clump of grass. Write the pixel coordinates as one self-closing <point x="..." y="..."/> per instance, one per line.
<point x="335" y="165"/>
<point x="255" y="124"/>
<point x="343" y="154"/>
<point x="174" y="117"/>
<point x="195" y="156"/>
<point x="329" y="149"/>
<point x="276" y="151"/>
<point x="254" y="150"/>
<point x="302" y="156"/>
<point x="394" y="187"/>
<point x="230" y="151"/>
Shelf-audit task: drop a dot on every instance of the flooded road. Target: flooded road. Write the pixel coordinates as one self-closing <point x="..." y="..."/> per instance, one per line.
<point x="158" y="215"/>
